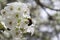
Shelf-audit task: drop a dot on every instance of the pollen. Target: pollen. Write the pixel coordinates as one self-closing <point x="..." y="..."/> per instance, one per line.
<point x="17" y="15"/>
<point x="19" y="9"/>
<point x="10" y="22"/>
<point x="4" y="12"/>
<point x="11" y="8"/>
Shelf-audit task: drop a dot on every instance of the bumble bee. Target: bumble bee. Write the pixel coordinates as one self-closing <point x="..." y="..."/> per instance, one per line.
<point x="30" y="21"/>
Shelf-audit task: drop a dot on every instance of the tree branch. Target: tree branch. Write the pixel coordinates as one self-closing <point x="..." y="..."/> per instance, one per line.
<point x="42" y="5"/>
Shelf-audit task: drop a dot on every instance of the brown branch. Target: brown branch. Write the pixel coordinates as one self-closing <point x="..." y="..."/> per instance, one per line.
<point x="42" y="5"/>
<point x="9" y="1"/>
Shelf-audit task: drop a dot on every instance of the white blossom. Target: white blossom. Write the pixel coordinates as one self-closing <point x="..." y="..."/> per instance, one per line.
<point x="54" y="38"/>
<point x="14" y="12"/>
<point x="31" y="29"/>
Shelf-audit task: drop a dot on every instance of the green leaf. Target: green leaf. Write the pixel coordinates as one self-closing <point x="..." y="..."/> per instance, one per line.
<point x="2" y="27"/>
<point x="1" y="0"/>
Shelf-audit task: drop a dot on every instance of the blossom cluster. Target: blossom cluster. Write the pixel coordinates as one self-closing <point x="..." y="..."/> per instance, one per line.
<point x="16" y="17"/>
<point x="25" y="20"/>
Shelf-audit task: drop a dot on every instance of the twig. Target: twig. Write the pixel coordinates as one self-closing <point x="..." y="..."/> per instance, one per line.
<point x="42" y="5"/>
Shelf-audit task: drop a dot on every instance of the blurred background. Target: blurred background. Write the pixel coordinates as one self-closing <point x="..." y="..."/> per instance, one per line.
<point x="49" y="25"/>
